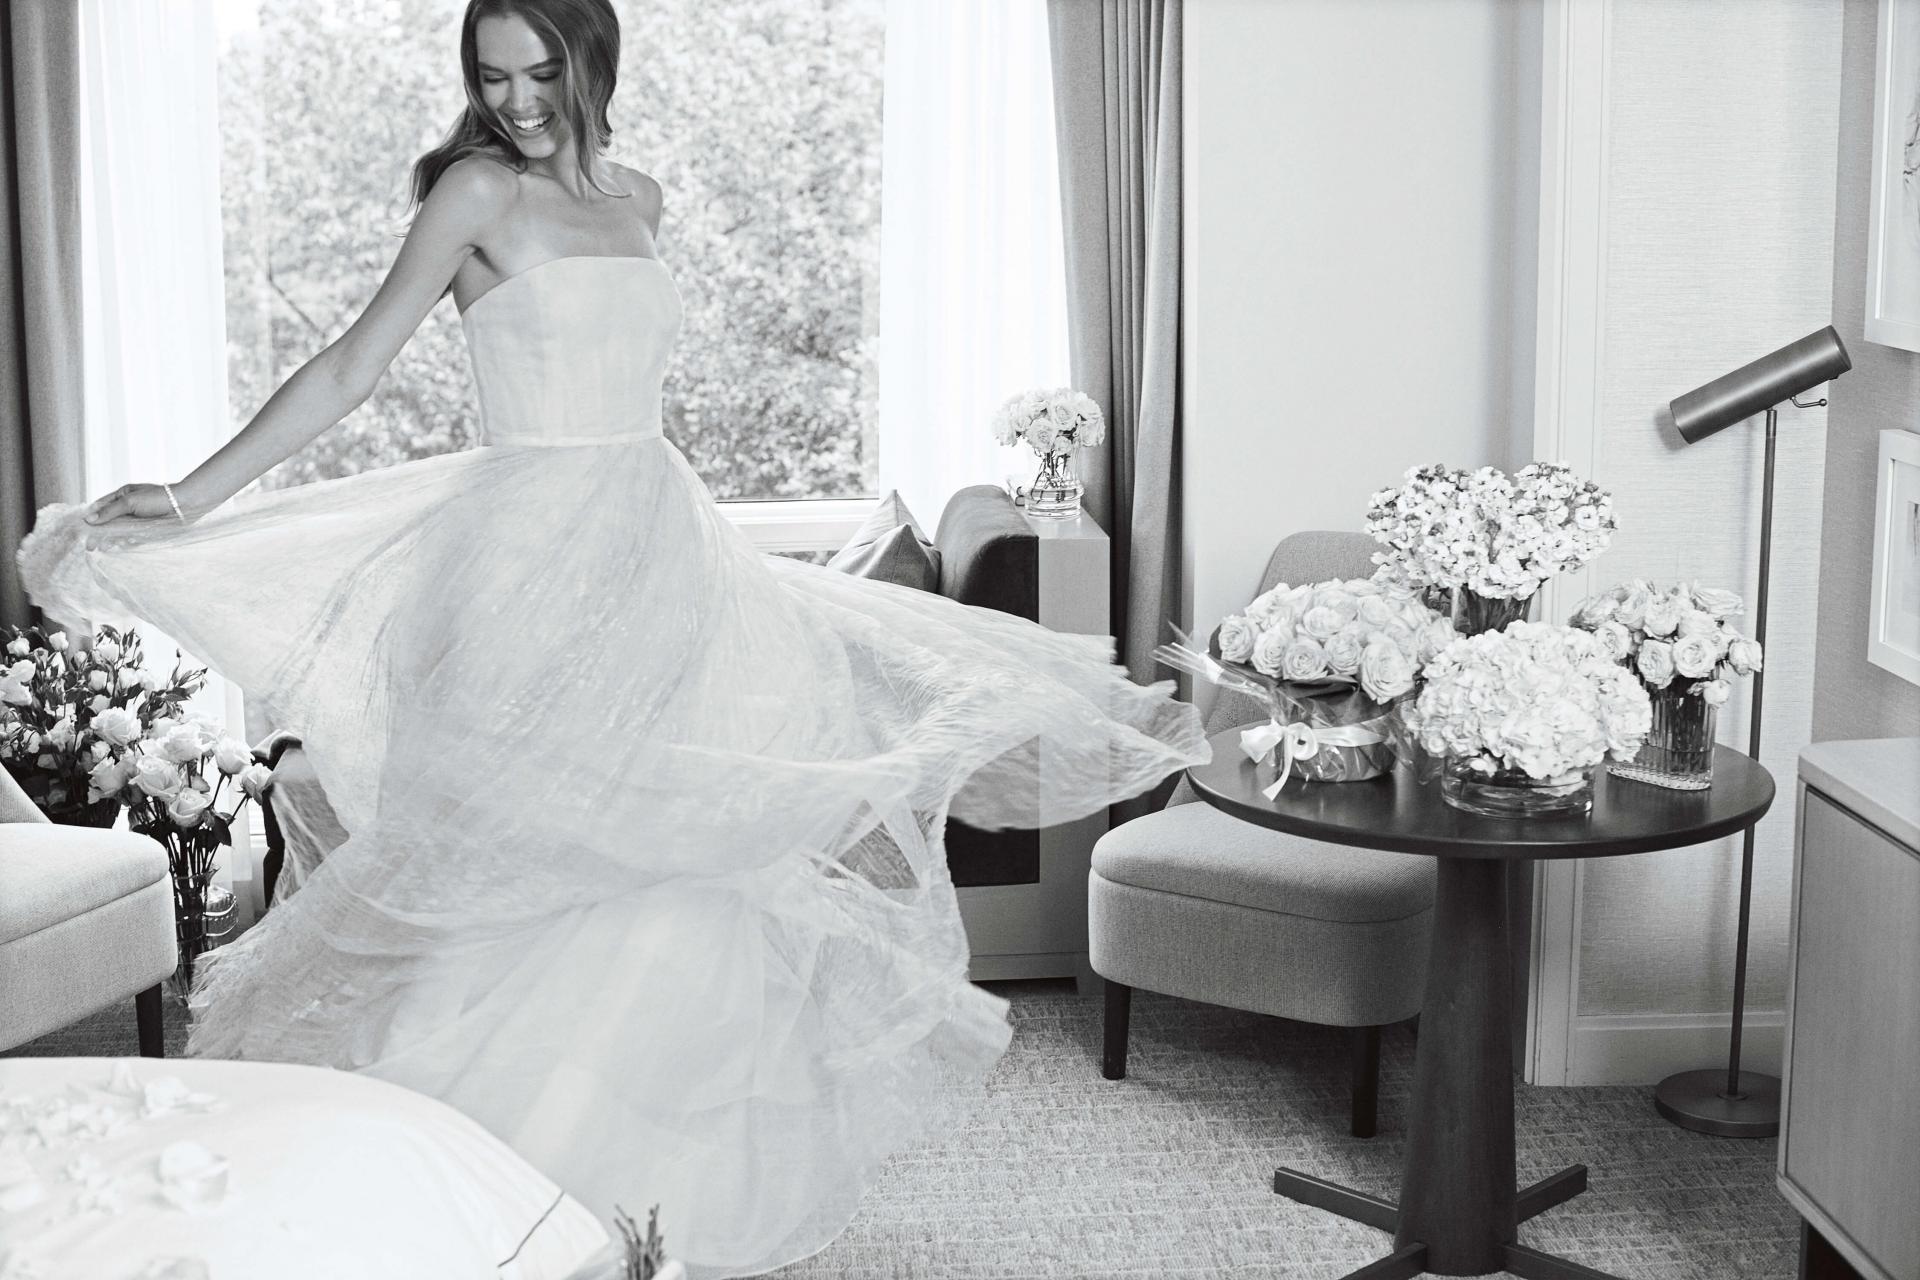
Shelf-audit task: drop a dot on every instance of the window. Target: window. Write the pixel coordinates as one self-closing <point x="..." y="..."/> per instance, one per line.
<point x="244" y="176"/>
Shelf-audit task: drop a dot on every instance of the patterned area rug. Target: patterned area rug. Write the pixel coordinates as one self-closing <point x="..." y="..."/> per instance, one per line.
<point x="1167" y="1173"/>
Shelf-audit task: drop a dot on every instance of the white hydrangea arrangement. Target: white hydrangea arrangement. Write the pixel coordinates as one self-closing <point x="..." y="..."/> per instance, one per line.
<point x="1054" y="422"/>
<point x="1674" y="636"/>
<point x="1495" y="535"/>
<point x="1376" y="635"/>
<point x="1548" y="701"/>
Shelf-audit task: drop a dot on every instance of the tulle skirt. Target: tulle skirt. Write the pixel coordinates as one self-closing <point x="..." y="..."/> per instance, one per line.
<point x="643" y="863"/>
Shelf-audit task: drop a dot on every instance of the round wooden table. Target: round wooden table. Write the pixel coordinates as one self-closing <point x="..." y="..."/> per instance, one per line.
<point x="1459" y="1206"/>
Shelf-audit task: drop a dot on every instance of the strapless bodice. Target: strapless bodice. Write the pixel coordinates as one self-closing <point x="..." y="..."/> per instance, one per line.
<point x="573" y="350"/>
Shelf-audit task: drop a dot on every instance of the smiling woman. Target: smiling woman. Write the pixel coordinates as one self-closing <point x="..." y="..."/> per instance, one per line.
<point x="773" y="395"/>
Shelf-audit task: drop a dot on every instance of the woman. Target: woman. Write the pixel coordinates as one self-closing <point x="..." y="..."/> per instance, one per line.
<point x="643" y="866"/>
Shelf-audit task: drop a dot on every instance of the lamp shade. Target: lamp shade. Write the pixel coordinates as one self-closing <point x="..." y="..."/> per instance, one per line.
<point x="1737" y="396"/>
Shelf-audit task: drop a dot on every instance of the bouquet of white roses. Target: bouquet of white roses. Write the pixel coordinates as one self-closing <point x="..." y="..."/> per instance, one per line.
<point x="1674" y="636"/>
<point x="1495" y="535"/>
<point x="66" y="715"/>
<point x="1547" y="701"/>
<point x="1328" y="660"/>
<point x="173" y="784"/>
<point x="1054" y="422"/>
<point x="1359" y="632"/>
<point x="86" y="733"/>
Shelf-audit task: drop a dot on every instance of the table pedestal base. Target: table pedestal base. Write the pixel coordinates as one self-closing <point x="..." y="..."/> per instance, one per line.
<point x="1410" y="1259"/>
<point x="1458" y="1205"/>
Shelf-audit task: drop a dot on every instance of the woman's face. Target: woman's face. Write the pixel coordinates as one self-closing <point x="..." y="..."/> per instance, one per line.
<point x="520" y="82"/>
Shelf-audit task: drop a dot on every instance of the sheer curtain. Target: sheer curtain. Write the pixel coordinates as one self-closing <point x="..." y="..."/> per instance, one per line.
<point x="972" y="272"/>
<point x="152" y="283"/>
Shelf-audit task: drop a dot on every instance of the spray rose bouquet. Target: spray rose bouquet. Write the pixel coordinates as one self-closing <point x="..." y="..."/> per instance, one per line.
<point x="1675" y="639"/>
<point x="1494" y="535"/>
<point x="1329" y="660"/>
<point x="1054" y="422"/>
<point x="1673" y="636"/>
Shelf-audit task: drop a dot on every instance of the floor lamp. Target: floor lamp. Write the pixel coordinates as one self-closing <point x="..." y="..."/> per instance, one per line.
<point x="1736" y="1103"/>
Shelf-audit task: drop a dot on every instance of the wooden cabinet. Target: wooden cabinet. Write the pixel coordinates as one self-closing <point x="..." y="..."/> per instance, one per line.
<point x="1849" y="1156"/>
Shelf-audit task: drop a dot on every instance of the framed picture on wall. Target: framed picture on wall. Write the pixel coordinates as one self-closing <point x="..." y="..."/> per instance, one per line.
<point x="1893" y="236"/>
<point x="1893" y="626"/>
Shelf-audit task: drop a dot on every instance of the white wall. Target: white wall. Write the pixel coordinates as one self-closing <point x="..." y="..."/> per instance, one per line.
<point x="1716" y="244"/>
<point x="1355" y="174"/>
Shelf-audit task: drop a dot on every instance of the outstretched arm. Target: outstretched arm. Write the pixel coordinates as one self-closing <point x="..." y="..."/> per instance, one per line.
<point x="469" y="197"/>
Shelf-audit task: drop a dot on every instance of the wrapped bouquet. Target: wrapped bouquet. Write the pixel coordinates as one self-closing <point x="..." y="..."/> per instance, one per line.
<point x="1330" y="661"/>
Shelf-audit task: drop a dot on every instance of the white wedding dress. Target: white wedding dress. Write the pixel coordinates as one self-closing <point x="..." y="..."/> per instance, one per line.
<point x="644" y="865"/>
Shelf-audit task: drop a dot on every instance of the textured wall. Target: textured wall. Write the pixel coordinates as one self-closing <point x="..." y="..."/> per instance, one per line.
<point x="1354" y="175"/>
<point x="1720" y="216"/>
<point x="1852" y="697"/>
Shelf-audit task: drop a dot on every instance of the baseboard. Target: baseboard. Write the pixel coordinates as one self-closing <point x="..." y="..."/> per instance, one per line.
<point x="1009" y="968"/>
<point x="1647" y="1048"/>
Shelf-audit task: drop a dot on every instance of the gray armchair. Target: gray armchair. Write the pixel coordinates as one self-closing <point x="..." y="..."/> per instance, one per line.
<point x="1191" y="902"/>
<point x="86" y="919"/>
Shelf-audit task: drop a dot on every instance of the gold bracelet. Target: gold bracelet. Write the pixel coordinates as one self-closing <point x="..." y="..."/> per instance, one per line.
<point x="175" y="502"/>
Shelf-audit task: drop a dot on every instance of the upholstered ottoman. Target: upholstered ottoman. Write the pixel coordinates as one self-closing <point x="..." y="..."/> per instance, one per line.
<point x="86" y="919"/>
<point x="1194" y="903"/>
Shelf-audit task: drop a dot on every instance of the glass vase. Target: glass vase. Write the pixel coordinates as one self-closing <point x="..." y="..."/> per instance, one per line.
<point x="1056" y="490"/>
<point x="1678" y="750"/>
<point x="1474" y="613"/>
<point x="190" y="922"/>
<point x="1511" y="793"/>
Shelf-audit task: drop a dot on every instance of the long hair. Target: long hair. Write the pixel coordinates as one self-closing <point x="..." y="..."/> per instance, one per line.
<point x="585" y="36"/>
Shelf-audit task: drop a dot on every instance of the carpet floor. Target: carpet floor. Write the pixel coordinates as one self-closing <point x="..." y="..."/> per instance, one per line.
<point x="1167" y="1174"/>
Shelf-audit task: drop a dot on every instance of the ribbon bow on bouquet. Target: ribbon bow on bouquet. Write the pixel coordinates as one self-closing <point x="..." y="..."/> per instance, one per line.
<point x="1299" y="741"/>
<point x="1296" y="741"/>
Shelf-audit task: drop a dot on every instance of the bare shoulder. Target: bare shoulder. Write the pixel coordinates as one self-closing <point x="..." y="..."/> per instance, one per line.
<point x="644" y="189"/>
<point x="639" y="184"/>
<point x="479" y="182"/>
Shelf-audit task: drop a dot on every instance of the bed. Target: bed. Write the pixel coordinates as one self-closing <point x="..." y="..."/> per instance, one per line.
<point x="125" y="1168"/>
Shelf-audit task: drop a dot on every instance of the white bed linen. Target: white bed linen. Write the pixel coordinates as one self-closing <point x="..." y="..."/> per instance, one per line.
<point x="106" y="1173"/>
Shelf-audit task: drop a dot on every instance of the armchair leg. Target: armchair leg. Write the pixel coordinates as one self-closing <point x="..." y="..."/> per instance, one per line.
<point x="1366" y="1080"/>
<point x="1113" y="1060"/>
<point x="146" y="1013"/>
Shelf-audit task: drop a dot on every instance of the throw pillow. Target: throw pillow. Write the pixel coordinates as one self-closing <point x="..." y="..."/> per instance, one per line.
<point x="891" y="546"/>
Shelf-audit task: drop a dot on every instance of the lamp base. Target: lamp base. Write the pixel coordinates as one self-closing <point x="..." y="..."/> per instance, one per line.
<point x="1698" y="1100"/>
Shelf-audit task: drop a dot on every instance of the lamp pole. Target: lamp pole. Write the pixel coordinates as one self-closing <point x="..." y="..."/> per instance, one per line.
<point x="1738" y="1104"/>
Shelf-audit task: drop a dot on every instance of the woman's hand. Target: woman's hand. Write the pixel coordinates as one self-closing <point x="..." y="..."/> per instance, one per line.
<point x="141" y="501"/>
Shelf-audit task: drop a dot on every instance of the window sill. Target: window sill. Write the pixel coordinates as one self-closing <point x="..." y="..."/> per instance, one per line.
<point x="810" y="524"/>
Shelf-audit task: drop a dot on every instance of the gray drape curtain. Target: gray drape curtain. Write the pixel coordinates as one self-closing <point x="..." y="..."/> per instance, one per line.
<point x="1116" y="77"/>
<point x="40" y="358"/>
